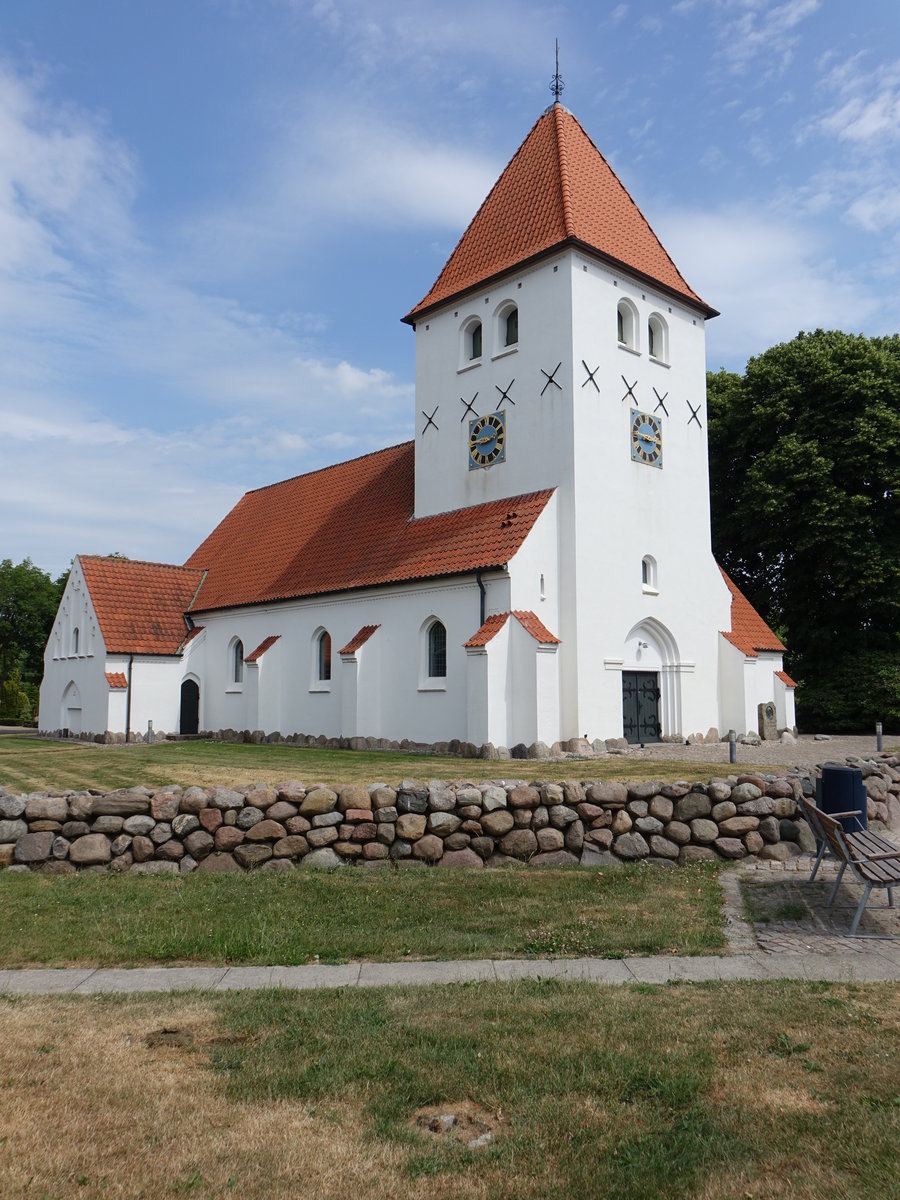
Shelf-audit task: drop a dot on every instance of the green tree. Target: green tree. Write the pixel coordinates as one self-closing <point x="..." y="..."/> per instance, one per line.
<point x="805" y="492"/>
<point x="29" y="599"/>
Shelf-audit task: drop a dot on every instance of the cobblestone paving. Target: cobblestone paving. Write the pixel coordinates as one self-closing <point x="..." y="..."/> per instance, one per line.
<point x="787" y="913"/>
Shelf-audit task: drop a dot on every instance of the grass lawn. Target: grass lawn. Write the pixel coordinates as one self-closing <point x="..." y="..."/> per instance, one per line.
<point x="32" y="764"/>
<point x="715" y="1092"/>
<point x="381" y="915"/>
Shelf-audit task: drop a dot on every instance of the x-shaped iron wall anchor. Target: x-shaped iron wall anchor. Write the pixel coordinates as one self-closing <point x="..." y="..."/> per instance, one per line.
<point x="660" y="402"/>
<point x="590" y="376"/>
<point x="470" y="408"/>
<point x="694" y="411"/>
<point x="430" y="420"/>
<point x="504" y="393"/>
<point x="630" y="392"/>
<point x="550" y="378"/>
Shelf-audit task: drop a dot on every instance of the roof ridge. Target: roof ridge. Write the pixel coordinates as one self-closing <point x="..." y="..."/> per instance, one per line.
<point x="562" y="160"/>
<point x="449" y="512"/>
<point x="134" y="562"/>
<point x="331" y="467"/>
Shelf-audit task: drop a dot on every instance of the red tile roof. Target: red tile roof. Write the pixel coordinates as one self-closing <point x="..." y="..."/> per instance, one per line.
<point x="266" y="644"/>
<point x="558" y="190"/>
<point x="117" y="679"/>
<point x="536" y="627"/>
<point x="140" y="605"/>
<point x="749" y="632"/>
<point x="785" y="679"/>
<point x="528" y="620"/>
<point x="491" y="627"/>
<point x="359" y="639"/>
<point x="351" y="526"/>
<point x="195" y="632"/>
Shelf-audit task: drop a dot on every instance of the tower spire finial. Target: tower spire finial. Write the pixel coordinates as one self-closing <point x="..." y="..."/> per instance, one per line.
<point x="556" y="83"/>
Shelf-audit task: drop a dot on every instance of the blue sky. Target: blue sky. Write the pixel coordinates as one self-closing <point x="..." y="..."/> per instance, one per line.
<point x="213" y="214"/>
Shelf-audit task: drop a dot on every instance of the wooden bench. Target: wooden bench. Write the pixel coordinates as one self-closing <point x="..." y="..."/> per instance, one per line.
<point x="872" y="859"/>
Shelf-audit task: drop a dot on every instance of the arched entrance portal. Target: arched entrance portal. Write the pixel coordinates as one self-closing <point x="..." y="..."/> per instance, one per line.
<point x="651" y="688"/>
<point x="189" y="721"/>
<point x="70" y="716"/>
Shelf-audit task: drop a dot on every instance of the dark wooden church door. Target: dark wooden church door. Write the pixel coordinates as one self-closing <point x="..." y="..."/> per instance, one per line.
<point x="640" y="706"/>
<point x="190" y="707"/>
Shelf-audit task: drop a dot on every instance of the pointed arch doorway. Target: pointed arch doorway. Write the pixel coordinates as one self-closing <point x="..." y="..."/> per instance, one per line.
<point x="189" y="721"/>
<point x="651" y="687"/>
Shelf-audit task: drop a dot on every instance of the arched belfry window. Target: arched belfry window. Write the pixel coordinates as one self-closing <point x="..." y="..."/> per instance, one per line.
<point x="324" y="656"/>
<point x="437" y="651"/>
<point x="626" y="325"/>
<point x="511" y="327"/>
<point x="648" y="574"/>
<point x="658" y="338"/>
<point x="476" y="335"/>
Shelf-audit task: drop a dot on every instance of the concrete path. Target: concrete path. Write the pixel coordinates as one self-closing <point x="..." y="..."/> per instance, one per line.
<point x="878" y="962"/>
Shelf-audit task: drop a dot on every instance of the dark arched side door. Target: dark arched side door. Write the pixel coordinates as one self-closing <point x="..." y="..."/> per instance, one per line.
<point x="190" y="707"/>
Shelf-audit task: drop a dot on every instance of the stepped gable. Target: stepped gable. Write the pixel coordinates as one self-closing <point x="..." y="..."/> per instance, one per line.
<point x="558" y="190"/>
<point x="140" y="606"/>
<point x="749" y="632"/>
<point x="351" y="526"/>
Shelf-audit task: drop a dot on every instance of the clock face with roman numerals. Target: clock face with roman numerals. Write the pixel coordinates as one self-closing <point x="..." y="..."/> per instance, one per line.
<point x="487" y="440"/>
<point x="646" y="439"/>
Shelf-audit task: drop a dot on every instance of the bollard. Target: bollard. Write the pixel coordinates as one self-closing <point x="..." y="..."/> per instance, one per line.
<point x="150" y="733"/>
<point x="879" y="741"/>
<point x="732" y="746"/>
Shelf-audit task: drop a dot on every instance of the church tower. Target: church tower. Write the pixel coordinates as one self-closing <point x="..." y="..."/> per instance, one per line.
<point x="560" y="347"/>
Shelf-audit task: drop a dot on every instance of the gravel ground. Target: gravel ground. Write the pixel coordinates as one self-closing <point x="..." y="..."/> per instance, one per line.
<point x="806" y="752"/>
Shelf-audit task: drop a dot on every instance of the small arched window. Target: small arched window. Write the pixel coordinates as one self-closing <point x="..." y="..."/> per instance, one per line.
<point x="237" y="661"/>
<point x="324" y="656"/>
<point x="75" y="639"/>
<point x="648" y="574"/>
<point x="437" y="651"/>
<point x="626" y="325"/>
<point x="511" y="327"/>
<point x="475" y="337"/>
<point x="657" y="338"/>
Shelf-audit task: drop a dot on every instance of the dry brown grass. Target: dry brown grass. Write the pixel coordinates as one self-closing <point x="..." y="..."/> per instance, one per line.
<point x="95" y="1106"/>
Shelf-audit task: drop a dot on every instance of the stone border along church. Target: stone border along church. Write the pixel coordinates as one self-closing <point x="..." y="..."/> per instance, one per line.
<point x="534" y="567"/>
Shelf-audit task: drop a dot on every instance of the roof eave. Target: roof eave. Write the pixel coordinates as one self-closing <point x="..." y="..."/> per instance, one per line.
<point x="419" y="313"/>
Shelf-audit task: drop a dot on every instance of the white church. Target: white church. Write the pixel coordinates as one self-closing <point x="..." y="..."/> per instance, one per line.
<point x="534" y="566"/>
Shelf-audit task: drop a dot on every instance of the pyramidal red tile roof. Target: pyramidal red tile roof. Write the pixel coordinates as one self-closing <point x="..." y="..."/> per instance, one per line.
<point x="351" y="526"/>
<point x="529" y="621"/>
<point x="266" y="644"/>
<point x="359" y="639"/>
<point x="557" y="190"/>
<point x="749" y="632"/>
<point x="117" y="679"/>
<point x="140" y="606"/>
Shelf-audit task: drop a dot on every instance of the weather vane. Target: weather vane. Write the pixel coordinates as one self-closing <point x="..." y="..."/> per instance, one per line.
<point x="556" y="84"/>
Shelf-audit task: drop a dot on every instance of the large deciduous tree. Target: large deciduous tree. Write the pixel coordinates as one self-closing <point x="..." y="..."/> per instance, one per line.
<point x="805" y="482"/>
<point x="29" y="599"/>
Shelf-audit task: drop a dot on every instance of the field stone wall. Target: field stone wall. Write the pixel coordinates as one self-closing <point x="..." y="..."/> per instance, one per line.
<point x="280" y="826"/>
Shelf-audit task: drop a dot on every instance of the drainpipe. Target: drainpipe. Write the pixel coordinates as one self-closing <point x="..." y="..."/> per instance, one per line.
<point x="483" y="591"/>
<point x="128" y="701"/>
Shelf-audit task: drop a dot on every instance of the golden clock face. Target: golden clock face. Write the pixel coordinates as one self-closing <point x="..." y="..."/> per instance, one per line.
<point x="487" y="440"/>
<point x="646" y="439"/>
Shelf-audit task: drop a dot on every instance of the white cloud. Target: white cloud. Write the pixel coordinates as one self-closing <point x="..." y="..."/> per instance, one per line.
<point x="761" y="28"/>
<point x="870" y="110"/>
<point x="769" y="276"/>
<point x="134" y="408"/>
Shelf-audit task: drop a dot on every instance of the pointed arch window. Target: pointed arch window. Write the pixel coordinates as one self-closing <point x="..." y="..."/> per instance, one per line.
<point x="324" y="656"/>
<point x="437" y="651"/>
<point x="76" y="637"/>
<point x="236" y="663"/>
